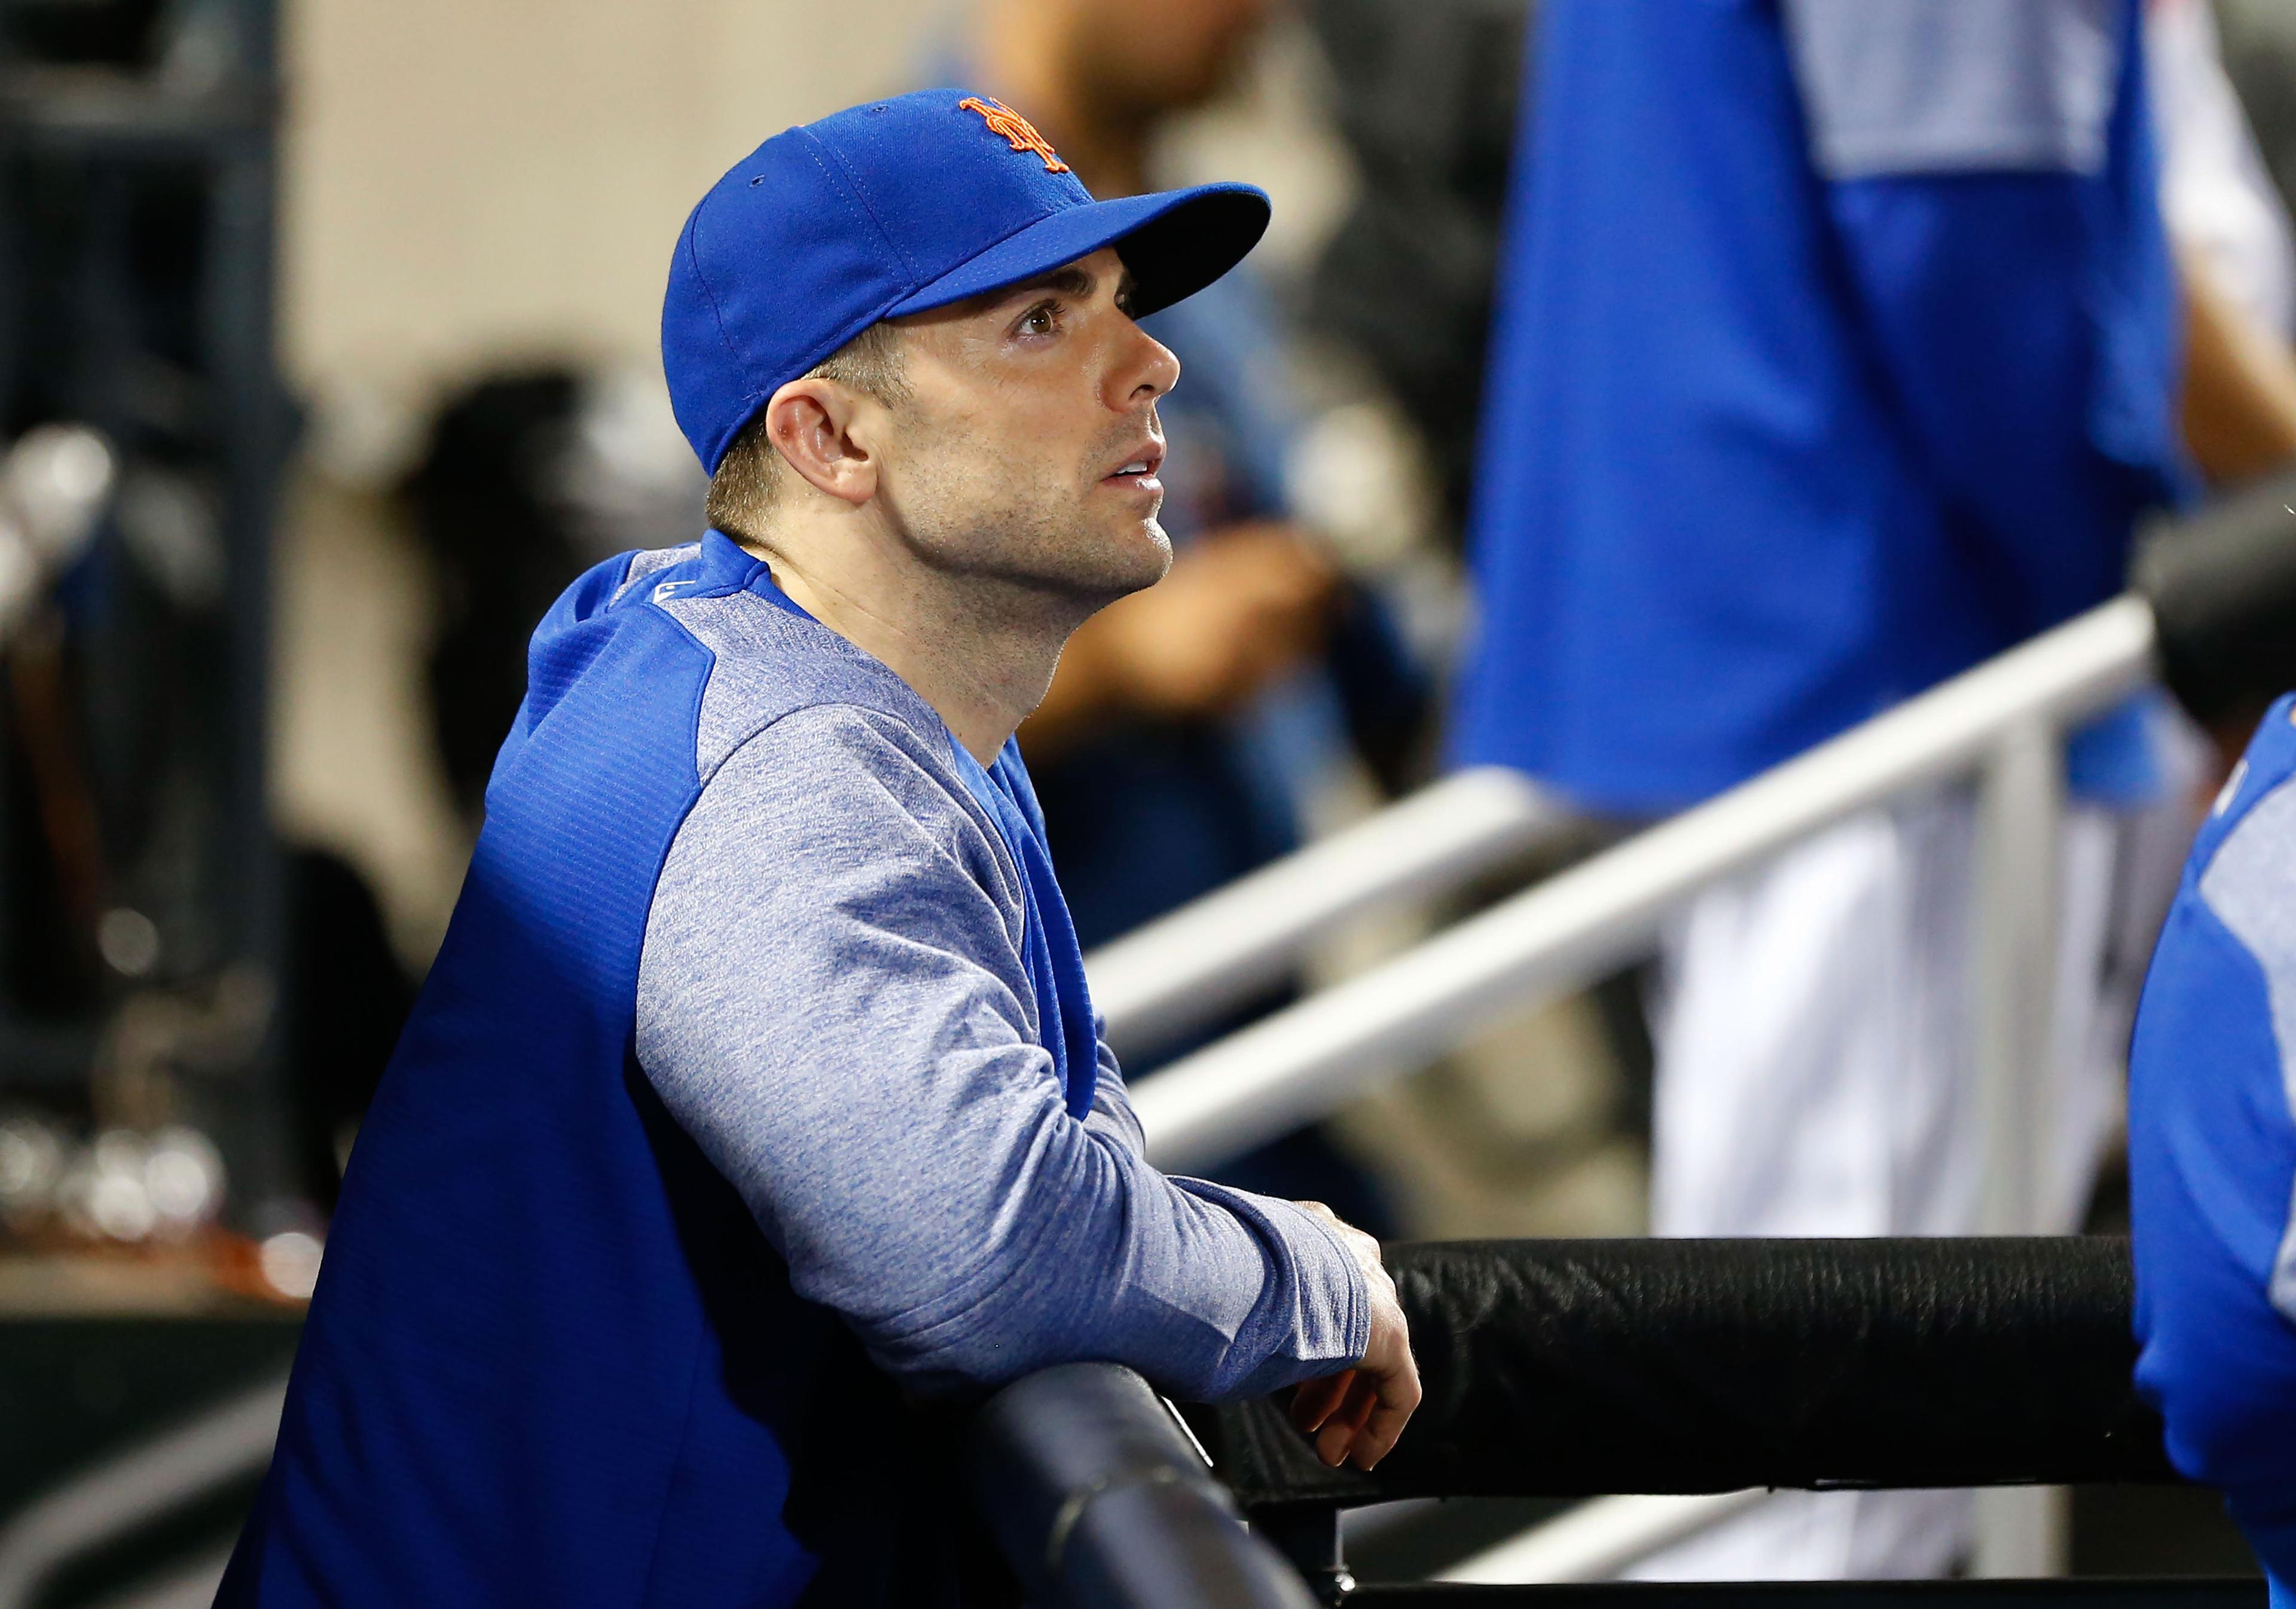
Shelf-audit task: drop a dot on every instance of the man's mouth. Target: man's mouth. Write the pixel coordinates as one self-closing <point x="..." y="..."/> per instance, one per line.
<point x="1139" y="470"/>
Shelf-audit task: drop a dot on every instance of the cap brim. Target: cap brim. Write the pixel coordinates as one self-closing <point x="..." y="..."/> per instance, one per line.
<point x="1175" y="242"/>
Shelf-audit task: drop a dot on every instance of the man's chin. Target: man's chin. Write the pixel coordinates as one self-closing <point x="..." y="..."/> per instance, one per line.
<point x="1116" y="568"/>
<point x="1093" y="568"/>
<point x="1155" y="554"/>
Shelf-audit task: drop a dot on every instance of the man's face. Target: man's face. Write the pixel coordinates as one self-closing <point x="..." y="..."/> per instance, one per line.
<point x="1028" y="446"/>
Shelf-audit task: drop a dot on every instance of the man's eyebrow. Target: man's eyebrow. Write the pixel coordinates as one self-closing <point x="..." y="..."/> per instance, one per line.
<point x="1072" y="281"/>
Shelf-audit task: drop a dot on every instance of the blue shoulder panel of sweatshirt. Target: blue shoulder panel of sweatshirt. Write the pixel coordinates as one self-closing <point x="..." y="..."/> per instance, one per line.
<point x="550" y="1359"/>
<point x="2212" y="1155"/>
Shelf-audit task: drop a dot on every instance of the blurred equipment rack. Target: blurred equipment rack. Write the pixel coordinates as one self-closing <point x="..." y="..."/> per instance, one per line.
<point x="137" y="171"/>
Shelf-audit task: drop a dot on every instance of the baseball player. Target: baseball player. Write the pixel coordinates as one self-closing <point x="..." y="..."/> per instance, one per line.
<point x="756" y="1088"/>
<point x="2212" y="1156"/>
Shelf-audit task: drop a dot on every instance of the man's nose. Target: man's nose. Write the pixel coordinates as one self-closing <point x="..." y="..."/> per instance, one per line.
<point x="1144" y="371"/>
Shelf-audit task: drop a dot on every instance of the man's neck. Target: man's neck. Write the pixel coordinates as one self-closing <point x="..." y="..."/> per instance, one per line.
<point x="980" y="650"/>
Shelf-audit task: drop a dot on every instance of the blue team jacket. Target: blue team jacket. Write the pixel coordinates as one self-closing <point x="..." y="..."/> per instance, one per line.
<point x="551" y="1361"/>
<point x="2212" y="1156"/>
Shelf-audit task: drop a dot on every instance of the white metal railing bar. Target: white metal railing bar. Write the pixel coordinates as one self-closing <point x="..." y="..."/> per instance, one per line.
<point x="1184" y="969"/>
<point x="2020" y="822"/>
<point x="190" y="1585"/>
<point x="230" y="1441"/>
<point x="1302" y="1061"/>
<point x="2020" y="1529"/>
<point x="1595" y="1540"/>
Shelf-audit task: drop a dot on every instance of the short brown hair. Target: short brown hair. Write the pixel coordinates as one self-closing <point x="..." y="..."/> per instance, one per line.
<point x="748" y="477"/>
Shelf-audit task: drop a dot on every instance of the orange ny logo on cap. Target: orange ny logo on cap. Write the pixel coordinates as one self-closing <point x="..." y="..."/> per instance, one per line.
<point x="1002" y="119"/>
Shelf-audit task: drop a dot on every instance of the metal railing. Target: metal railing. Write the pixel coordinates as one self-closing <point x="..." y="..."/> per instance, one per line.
<point x="2000" y="720"/>
<point x="1184" y="970"/>
<point x="1101" y="1498"/>
<point x="228" y="1442"/>
<point x="1597" y="1539"/>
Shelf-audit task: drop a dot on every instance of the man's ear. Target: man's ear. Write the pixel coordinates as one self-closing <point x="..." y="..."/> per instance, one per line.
<point x="811" y="423"/>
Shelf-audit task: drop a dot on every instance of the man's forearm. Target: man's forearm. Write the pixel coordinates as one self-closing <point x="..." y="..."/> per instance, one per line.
<point x="2240" y="384"/>
<point x="1210" y="1293"/>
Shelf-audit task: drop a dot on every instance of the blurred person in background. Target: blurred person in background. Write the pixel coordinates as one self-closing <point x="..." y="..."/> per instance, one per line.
<point x="2260" y="55"/>
<point x="1841" y="345"/>
<point x="1426" y="97"/>
<point x="1187" y="724"/>
<point x="530" y="476"/>
<point x="2217" y="192"/>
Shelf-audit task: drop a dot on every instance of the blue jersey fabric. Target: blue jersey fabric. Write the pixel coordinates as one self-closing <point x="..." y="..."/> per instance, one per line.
<point x="2212" y="1156"/>
<point x="552" y="1360"/>
<point x="1767" y="448"/>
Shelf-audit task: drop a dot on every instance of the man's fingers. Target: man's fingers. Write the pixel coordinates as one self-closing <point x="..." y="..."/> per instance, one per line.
<point x="1358" y="1415"/>
<point x="1379" y="1435"/>
<point x="1343" y="1430"/>
<point x="1313" y="1402"/>
<point x="1397" y="1397"/>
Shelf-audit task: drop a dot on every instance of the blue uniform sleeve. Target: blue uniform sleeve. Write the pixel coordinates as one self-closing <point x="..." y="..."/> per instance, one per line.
<point x="832" y="1001"/>
<point x="2212" y="1157"/>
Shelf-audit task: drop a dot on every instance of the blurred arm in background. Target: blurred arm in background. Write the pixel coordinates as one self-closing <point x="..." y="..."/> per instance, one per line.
<point x="2236" y="250"/>
<point x="1243" y="605"/>
<point x="2240" y="382"/>
<point x="2236" y="266"/>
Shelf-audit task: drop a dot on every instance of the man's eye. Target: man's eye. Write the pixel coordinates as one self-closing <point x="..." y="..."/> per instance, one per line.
<point x="1039" y="321"/>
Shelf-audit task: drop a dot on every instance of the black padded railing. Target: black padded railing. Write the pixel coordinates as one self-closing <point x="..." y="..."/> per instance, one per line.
<point x="1099" y="1500"/>
<point x="1566" y="1368"/>
<point x="2222" y="584"/>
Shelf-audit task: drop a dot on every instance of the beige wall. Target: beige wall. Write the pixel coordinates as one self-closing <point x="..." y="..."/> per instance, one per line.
<point x="467" y="178"/>
<point x="466" y="181"/>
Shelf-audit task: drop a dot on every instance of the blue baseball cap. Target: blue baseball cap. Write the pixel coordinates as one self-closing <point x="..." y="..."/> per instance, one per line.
<point x="894" y="208"/>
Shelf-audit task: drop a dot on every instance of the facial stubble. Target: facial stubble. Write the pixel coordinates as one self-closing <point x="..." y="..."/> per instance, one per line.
<point x="966" y="508"/>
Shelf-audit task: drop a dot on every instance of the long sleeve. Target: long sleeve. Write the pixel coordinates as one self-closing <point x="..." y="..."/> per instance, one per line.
<point x="832" y="1001"/>
<point x="2212" y="1160"/>
<point x="1111" y="1111"/>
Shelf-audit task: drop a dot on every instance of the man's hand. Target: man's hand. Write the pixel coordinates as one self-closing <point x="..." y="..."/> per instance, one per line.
<point x="1357" y="1415"/>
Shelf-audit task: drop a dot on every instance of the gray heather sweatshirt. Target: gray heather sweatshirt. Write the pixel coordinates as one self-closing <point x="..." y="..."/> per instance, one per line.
<point x="833" y="1000"/>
